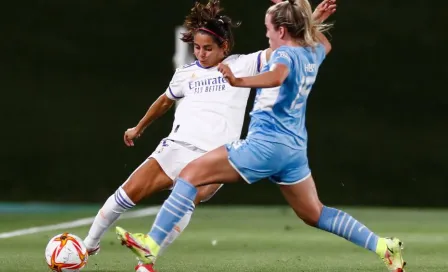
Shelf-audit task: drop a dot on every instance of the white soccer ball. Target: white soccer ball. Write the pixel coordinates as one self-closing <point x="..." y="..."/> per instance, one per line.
<point x="66" y="253"/>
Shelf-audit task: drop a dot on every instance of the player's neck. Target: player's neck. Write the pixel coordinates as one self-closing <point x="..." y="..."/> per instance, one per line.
<point x="293" y="43"/>
<point x="207" y="65"/>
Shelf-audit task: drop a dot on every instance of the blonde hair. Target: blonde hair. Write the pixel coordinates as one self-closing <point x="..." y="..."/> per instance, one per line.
<point x="297" y="17"/>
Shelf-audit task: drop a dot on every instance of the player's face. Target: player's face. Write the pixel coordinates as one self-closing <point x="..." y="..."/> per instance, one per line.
<point x="274" y="36"/>
<point x="207" y="51"/>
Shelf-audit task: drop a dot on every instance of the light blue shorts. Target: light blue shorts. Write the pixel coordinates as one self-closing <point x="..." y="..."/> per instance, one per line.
<point x="256" y="159"/>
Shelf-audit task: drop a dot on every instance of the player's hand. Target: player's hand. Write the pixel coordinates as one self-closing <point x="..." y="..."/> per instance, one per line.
<point x="227" y="74"/>
<point x="130" y="134"/>
<point x="324" y="10"/>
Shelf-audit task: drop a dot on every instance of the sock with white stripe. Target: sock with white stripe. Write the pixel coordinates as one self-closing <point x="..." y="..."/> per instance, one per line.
<point x="175" y="233"/>
<point x="345" y="226"/>
<point x="115" y="205"/>
<point x="179" y="203"/>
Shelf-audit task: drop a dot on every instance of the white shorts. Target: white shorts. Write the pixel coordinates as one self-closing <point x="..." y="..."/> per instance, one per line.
<point x="173" y="156"/>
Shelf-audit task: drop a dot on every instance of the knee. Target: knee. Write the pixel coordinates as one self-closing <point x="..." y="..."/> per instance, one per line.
<point x="311" y="214"/>
<point x="192" y="173"/>
<point x="205" y="193"/>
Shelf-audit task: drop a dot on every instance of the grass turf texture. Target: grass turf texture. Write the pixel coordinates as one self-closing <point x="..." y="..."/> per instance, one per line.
<point x="247" y="239"/>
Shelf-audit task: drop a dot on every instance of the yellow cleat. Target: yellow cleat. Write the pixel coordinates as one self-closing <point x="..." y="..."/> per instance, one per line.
<point x="390" y="251"/>
<point x="145" y="248"/>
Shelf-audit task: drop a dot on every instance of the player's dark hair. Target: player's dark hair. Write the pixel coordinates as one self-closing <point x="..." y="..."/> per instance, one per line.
<point x="208" y="19"/>
<point x="297" y="17"/>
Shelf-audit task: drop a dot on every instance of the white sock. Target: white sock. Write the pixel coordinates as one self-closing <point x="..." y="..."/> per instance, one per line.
<point x="175" y="233"/>
<point x="115" y="205"/>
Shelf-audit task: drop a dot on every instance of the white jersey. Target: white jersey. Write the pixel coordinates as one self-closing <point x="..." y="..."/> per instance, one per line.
<point x="211" y="113"/>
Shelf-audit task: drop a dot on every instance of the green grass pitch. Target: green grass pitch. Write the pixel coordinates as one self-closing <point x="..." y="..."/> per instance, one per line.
<point x="269" y="239"/>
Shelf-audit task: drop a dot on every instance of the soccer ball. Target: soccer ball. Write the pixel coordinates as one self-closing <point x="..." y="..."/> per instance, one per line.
<point x="66" y="253"/>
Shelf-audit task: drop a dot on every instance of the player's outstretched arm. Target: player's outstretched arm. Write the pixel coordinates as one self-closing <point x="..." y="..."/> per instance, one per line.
<point x="157" y="109"/>
<point x="270" y="79"/>
<point x="326" y="43"/>
<point x="324" y="10"/>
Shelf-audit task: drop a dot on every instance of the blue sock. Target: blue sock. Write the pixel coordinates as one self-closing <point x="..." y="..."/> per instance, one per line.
<point x="344" y="225"/>
<point x="174" y="208"/>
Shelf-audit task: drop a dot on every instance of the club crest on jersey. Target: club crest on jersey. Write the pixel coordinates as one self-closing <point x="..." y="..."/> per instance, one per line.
<point x="284" y="56"/>
<point x="206" y="85"/>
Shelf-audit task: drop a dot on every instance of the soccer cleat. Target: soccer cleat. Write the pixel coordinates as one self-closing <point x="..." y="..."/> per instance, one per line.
<point x="93" y="251"/>
<point x="141" y="267"/>
<point x="140" y="244"/>
<point x="390" y="251"/>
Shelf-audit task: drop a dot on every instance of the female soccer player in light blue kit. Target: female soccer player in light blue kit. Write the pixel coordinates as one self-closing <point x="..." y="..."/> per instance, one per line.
<point x="276" y="145"/>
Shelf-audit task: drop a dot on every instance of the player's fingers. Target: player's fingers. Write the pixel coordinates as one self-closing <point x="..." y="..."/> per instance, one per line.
<point x="128" y="141"/>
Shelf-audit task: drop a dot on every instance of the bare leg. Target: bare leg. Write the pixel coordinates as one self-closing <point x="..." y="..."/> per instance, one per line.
<point x="146" y="180"/>
<point x="303" y="199"/>
<point x="214" y="167"/>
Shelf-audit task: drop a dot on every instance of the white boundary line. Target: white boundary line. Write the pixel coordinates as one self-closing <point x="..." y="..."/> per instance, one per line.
<point x="77" y="223"/>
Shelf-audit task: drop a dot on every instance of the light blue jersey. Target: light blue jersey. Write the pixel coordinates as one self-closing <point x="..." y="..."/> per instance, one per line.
<point x="276" y="144"/>
<point x="279" y="113"/>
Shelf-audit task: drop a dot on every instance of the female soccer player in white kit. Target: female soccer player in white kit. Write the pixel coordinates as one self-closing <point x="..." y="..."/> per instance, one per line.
<point x="210" y="115"/>
<point x="276" y="145"/>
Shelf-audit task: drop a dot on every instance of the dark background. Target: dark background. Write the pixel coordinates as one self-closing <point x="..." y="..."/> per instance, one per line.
<point x="76" y="74"/>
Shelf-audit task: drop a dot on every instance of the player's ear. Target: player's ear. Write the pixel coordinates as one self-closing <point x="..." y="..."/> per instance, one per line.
<point x="282" y="31"/>
<point x="225" y="47"/>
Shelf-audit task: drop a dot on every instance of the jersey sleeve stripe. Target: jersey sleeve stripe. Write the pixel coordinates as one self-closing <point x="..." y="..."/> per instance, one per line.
<point x="171" y="92"/>
<point x="259" y="62"/>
